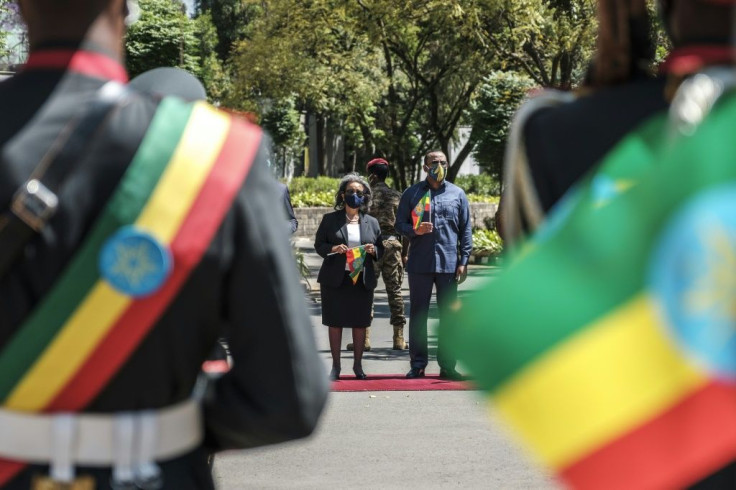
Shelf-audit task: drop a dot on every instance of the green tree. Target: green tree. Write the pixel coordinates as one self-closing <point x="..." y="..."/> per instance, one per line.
<point x="282" y="121"/>
<point x="214" y="76"/>
<point x="163" y="36"/>
<point x="315" y="53"/>
<point x="434" y="57"/>
<point x="231" y="19"/>
<point x="400" y="77"/>
<point x="662" y="41"/>
<point x="5" y="26"/>
<point x="499" y="96"/>
<point x="549" y="40"/>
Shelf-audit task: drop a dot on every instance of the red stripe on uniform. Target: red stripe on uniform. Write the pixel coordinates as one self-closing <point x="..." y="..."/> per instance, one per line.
<point x="9" y="469"/>
<point x="681" y="446"/>
<point x="690" y="59"/>
<point x="188" y="247"/>
<point x="83" y="62"/>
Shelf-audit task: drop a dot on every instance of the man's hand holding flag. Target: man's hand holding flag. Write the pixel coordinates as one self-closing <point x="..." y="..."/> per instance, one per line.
<point x="417" y="214"/>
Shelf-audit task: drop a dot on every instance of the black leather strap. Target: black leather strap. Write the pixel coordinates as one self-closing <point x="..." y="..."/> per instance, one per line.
<point x="35" y="202"/>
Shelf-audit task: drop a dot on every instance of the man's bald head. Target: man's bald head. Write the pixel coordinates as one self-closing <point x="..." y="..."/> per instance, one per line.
<point x="73" y="20"/>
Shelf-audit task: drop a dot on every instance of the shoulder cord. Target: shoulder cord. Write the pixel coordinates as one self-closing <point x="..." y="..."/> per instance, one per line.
<point x="696" y="97"/>
<point x="520" y="200"/>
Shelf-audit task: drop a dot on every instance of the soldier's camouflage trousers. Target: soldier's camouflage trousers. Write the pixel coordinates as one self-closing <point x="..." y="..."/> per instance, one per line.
<point x="392" y="270"/>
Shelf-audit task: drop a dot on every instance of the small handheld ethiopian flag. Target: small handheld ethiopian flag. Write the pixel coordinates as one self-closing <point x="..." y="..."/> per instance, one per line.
<point x="422" y="207"/>
<point x="356" y="261"/>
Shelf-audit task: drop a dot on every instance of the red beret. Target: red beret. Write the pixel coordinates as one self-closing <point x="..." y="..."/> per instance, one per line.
<point x="376" y="161"/>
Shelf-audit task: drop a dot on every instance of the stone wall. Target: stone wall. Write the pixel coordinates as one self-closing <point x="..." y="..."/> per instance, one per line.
<point x="479" y="211"/>
<point x="309" y="218"/>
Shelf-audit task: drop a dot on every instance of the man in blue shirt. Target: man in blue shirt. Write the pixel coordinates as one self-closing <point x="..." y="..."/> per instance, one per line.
<point x="440" y="245"/>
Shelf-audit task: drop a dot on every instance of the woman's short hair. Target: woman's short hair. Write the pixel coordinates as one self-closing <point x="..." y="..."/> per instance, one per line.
<point x="347" y="180"/>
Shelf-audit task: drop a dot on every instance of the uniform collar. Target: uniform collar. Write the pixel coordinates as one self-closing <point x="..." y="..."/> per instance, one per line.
<point x="84" y="61"/>
<point x="691" y="59"/>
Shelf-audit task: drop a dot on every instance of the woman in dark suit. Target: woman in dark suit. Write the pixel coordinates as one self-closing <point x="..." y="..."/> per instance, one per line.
<point x="346" y="304"/>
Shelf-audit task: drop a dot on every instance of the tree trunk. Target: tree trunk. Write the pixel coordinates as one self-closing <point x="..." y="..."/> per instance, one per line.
<point x="320" y="142"/>
<point x="460" y="158"/>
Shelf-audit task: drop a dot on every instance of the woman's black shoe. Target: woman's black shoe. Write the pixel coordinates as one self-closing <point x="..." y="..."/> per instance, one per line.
<point x="359" y="374"/>
<point x="335" y="373"/>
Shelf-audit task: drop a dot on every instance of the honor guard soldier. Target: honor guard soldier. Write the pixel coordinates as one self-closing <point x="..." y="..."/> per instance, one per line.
<point x="134" y="230"/>
<point x="559" y="138"/>
<point x="391" y="264"/>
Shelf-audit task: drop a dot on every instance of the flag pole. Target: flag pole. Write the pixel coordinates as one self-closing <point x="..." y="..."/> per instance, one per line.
<point x="429" y="195"/>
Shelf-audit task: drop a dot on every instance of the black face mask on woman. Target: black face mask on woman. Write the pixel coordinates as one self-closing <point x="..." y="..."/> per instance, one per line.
<point x="353" y="200"/>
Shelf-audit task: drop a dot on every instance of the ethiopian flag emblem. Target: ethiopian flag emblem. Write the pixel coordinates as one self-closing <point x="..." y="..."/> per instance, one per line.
<point x="423" y="206"/>
<point x="355" y="260"/>
<point x="610" y="344"/>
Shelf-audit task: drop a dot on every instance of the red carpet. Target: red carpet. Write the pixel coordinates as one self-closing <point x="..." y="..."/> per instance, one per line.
<point x="398" y="382"/>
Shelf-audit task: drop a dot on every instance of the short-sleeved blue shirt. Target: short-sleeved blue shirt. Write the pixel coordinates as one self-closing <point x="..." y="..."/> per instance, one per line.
<point x="451" y="240"/>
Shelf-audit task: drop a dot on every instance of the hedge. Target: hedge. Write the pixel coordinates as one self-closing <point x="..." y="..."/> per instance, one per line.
<point x="320" y="191"/>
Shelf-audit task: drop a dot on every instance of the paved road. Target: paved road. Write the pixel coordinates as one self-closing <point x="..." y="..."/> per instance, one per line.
<point x="438" y="439"/>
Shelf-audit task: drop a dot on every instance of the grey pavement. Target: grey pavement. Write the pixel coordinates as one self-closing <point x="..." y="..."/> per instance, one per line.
<point x="389" y="439"/>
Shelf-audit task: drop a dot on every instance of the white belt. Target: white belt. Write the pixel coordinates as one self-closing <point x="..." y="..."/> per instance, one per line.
<point x="127" y="441"/>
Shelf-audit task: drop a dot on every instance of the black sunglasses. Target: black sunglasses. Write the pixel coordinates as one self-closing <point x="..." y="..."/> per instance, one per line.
<point x="439" y="162"/>
<point x="350" y="192"/>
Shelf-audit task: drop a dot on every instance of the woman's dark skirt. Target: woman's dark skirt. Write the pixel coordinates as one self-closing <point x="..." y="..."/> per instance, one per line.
<point x="347" y="306"/>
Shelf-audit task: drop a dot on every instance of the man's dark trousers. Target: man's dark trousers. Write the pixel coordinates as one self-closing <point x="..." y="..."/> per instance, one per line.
<point x="420" y="294"/>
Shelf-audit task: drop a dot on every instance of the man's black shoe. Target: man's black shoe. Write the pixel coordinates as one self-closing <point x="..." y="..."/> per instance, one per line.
<point x="415" y="373"/>
<point x="451" y="374"/>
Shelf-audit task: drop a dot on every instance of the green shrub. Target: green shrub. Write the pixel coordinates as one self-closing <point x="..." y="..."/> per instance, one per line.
<point x="483" y="184"/>
<point x="313" y="191"/>
<point x="486" y="243"/>
<point x="320" y="191"/>
<point x="307" y="199"/>
<point x="313" y="184"/>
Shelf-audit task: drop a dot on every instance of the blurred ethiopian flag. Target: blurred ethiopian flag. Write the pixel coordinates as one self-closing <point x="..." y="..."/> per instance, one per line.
<point x="610" y="344"/>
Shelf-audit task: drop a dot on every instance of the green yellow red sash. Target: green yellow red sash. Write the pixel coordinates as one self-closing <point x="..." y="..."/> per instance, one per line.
<point x="178" y="189"/>
<point x="615" y="363"/>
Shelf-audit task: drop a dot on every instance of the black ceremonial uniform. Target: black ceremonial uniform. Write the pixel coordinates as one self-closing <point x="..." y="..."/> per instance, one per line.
<point x="564" y="142"/>
<point x="246" y="282"/>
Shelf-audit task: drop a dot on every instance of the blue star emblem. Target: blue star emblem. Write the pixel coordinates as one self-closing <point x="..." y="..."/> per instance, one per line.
<point x="134" y="262"/>
<point x="693" y="279"/>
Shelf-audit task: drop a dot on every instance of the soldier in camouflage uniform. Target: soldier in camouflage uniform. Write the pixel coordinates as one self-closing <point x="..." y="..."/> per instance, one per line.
<point x="391" y="264"/>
